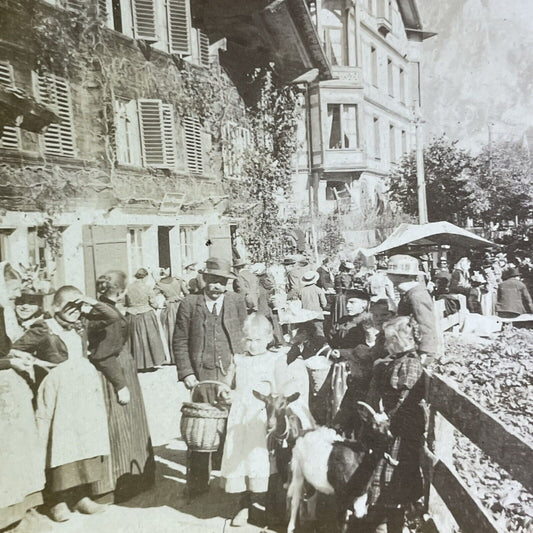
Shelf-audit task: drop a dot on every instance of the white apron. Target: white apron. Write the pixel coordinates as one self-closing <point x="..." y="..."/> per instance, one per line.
<point x="71" y="413"/>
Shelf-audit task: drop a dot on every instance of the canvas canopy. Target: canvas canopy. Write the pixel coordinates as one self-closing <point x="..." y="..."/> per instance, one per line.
<point x="419" y="236"/>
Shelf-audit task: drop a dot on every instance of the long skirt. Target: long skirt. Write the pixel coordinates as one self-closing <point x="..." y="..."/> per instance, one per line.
<point x="146" y="340"/>
<point x="72" y="422"/>
<point x="131" y="466"/>
<point x="168" y="321"/>
<point x="22" y="457"/>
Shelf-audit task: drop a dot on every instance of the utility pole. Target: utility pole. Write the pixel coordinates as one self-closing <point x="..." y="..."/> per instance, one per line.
<point x="420" y="176"/>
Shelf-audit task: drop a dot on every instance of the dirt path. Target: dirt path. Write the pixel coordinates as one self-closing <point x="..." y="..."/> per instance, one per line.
<point x="163" y="509"/>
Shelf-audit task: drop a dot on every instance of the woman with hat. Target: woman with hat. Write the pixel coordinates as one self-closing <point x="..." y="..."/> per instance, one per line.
<point x="513" y="297"/>
<point x="146" y="332"/>
<point x="21" y="461"/>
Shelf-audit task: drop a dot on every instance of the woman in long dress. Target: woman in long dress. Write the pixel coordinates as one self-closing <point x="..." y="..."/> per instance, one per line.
<point x="21" y="458"/>
<point x="148" y="344"/>
<point x="71" y="414"/>
<point x="132" y="466"/>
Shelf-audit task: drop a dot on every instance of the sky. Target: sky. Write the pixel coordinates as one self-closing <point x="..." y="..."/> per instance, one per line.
<point x="478" y="70"/>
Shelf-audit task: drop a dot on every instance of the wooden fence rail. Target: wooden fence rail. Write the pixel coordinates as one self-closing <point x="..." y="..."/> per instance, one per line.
<point x="501" y="443"/>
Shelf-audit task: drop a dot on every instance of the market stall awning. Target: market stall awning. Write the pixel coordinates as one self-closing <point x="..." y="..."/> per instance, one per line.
<point x="420" y="236"/>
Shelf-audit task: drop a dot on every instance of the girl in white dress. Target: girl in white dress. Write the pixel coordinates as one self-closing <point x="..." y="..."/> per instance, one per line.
<point x="246" y="462"/>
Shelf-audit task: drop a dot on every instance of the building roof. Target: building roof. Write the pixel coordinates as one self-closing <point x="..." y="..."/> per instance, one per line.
<point x="412" y="20"/>
<point x="260" y="32"/>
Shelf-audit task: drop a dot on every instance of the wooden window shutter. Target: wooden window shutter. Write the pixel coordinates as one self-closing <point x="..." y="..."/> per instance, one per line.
<point x="144" y="20"/>
<point x="157" y="134"/>
<point x="168" y="134"/>
<point x="179" y="26"/>
<point x="193" y="141"/>
<point x="204" y="48"/>
<point x="55" y="92"/>
<point x="10" y="138"/>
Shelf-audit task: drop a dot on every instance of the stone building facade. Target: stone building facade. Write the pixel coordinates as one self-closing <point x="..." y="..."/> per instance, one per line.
<point x="134" y="174"/>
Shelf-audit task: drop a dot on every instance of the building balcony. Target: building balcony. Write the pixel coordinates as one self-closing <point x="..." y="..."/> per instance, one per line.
<point x="344" y="160"/>
<point x="352" y="75"/>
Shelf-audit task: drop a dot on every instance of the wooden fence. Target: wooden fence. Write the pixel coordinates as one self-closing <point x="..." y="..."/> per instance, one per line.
<point x="451" y="408"/>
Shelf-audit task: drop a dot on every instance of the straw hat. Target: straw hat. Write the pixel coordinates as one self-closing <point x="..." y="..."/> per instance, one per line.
<point x="310" y="278"/>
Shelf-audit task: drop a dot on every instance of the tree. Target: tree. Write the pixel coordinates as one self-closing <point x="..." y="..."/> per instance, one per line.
<point x="502" y="179"/>
<point x="448" y="185"/>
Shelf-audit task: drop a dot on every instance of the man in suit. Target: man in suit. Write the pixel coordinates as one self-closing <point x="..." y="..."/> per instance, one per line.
<point x="209" y="331"/>
<point x="325" y="280"/>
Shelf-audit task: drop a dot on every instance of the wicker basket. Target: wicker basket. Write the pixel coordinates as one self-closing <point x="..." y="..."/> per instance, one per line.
<point x="318" y="367"/>
<point x="202" y="424"/>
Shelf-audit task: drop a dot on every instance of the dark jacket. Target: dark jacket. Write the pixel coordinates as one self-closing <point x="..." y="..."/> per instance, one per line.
<point x="5" y="342"/>
<point x="107" y="336"/>
<point x="513" y="297"/>
<point x="325" y="280"/>
<point x="418" y="303"/>
<point x="189" y="335"/>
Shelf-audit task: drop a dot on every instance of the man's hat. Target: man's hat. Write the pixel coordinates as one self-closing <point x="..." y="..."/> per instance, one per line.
<point x="510" y="273"/>
<point x="301" y="259"/>
<point x="218" y="267"/>
<point x="405" y="265"/>
<point x="310" y="277"/>
<point x="289" y="260"/>
<point x="360" y="294"/>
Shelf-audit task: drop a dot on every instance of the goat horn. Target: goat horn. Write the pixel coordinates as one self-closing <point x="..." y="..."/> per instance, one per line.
<point x="368" y="408"/>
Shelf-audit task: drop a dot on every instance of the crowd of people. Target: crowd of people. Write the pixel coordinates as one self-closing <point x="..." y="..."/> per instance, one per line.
<point x="73" y="418"/>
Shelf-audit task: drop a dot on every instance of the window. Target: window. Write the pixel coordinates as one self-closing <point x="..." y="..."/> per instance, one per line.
<point x="10" y="137"/>
<point x="236" y="140"/>
<point x="54" y="91"/>
<point x="404" y="142"/>
<point x="4" y="245"/>
<point x="392" y="143"/>
<point x="377" y="140"/>
<point x="145" y="133"/>
<point x="390" y="77"/>
<point x="334" y="45"/>
<point x="187" y="245"/>
<point x="156" y="121"/>
<point x="374" y="65"/>
<point x="135" y="249"/>
<point x="193" y="143"/>
<point x="342" y="123"/>
<point x="402" y="85"/>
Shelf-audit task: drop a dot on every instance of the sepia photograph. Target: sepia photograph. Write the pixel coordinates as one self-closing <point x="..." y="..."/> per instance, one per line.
<point x="266" y="266"/>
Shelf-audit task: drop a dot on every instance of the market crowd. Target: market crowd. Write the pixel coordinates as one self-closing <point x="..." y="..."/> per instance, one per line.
<point x="73" y="421"/>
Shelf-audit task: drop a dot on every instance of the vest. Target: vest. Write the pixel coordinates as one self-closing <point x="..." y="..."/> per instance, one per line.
<point x="217" y="348"/>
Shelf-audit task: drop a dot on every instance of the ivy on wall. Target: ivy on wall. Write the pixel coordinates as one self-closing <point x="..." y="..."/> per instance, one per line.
<point x="77" y="45"/>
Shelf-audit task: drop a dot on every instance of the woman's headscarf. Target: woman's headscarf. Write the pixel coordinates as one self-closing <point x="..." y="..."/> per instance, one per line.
<point x="13" y="329"/>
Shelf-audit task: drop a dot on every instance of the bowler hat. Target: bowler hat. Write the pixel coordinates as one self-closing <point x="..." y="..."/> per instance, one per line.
<point x="357" y="293"/>
<point x="403" y="264"/>
<point x="218" y="267"/>
<point x="510" y="273"/>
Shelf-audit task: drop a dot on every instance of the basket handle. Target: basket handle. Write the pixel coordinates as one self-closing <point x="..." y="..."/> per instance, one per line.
<point x="323" y="349"/>
<point x="208" y="382"/>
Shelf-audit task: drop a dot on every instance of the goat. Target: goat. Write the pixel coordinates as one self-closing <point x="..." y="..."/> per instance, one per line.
<point x="328" y="462"/>
<point x="284" y="426"/>
<point x="335" y="466"/>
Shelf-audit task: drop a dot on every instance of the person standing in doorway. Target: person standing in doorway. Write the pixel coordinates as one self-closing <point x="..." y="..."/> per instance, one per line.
<point x="208" y="333"/>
